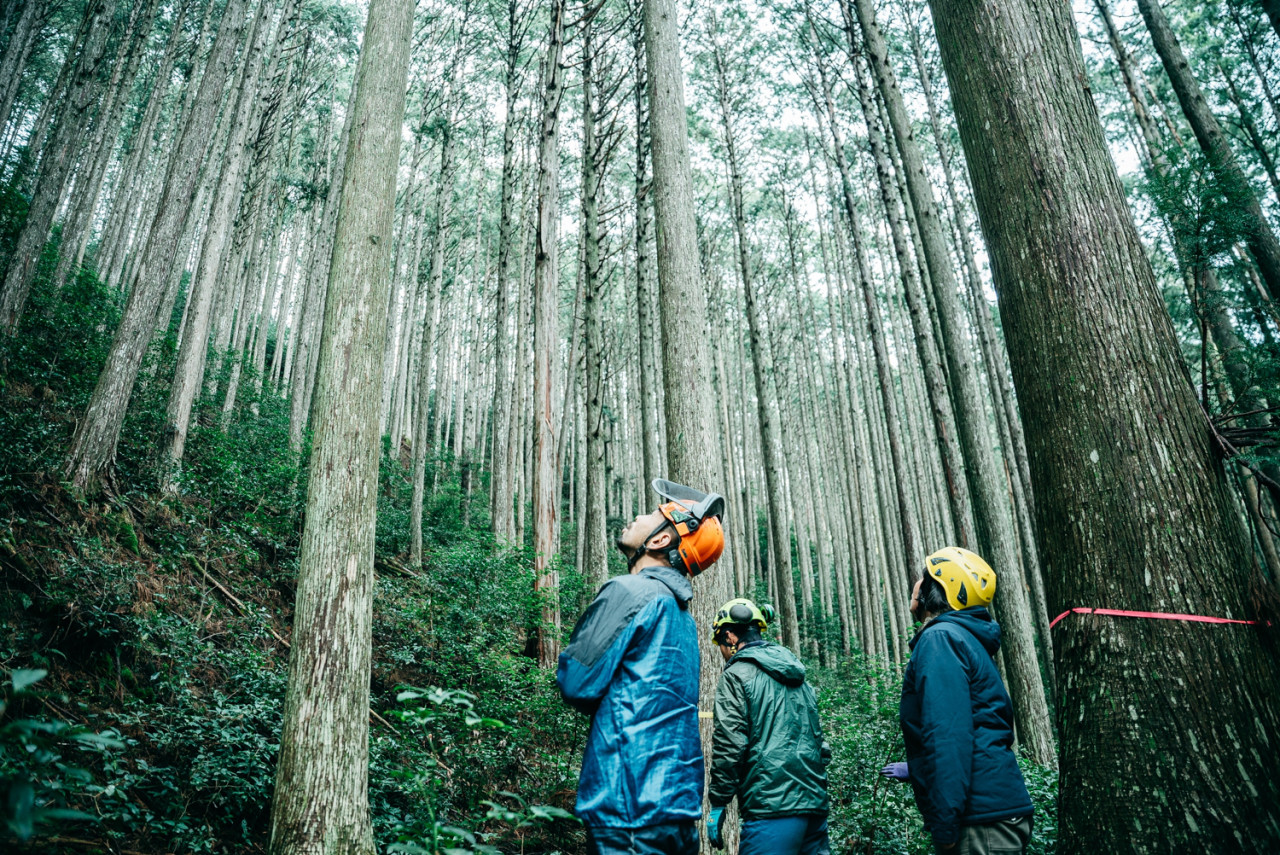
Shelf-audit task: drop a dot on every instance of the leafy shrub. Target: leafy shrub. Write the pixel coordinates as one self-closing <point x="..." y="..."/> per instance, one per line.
<point x="41" y="787"/>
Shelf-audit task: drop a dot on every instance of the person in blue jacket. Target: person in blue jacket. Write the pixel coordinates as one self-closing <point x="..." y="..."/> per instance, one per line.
<point x="956" y="717"/>
<point x="632" y="665"/>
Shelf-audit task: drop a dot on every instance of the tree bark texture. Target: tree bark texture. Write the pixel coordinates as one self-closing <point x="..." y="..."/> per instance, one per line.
<point x="686" y="368"/>
<point x="546" y="293"/>
<point x="1132" y="507"/>
<point x="595" y="555"/>
<point x="321" y="804"/>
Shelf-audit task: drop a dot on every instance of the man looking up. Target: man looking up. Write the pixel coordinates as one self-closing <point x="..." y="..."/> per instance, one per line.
<point x="632" y="665"/>
<point x="956" y="717"/>
<point x="767" y="748"/>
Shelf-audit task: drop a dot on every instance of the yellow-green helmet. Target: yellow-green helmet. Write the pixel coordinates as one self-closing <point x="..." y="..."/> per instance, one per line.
<point x="741" y="612"/>
<point x="967" y="579"/>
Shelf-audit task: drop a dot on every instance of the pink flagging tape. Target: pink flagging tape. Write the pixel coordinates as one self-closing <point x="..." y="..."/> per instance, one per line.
<point x="1081" y="610"/>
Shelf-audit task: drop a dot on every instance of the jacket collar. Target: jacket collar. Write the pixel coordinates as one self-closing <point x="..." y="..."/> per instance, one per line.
<point x="681" y="587"/>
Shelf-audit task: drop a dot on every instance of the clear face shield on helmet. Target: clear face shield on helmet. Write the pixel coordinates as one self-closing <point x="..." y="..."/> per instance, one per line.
<point x="695" y="517"/>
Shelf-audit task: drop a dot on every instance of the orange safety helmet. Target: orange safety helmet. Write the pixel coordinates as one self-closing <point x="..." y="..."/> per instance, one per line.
<point x="695" y="516"/>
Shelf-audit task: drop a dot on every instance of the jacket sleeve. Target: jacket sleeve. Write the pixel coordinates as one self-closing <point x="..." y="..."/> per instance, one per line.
<point x="600" y="640"/>
<point x="944" y="767"/>
<point x="728" y="740"/>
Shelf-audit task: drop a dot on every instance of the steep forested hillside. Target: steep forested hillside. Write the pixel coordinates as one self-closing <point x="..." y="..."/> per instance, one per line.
<point x="339" y="340"/>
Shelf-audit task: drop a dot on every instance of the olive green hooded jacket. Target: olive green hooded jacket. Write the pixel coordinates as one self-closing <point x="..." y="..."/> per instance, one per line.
<point x="767" y="748"/>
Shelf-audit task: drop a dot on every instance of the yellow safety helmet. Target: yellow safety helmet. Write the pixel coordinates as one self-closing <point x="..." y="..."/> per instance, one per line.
<point x="741" y="612"/>
<point x="967" y="579"/>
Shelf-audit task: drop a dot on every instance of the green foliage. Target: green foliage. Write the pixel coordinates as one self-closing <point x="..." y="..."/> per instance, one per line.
<point x="37" y="778"/>
<point x="47" y="372"/>
<point x="858" y="704"/>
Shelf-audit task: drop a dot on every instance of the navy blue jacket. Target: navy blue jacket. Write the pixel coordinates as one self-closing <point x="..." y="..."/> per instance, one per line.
<point x="632" y="665"/>
<point x="957" y="722"/>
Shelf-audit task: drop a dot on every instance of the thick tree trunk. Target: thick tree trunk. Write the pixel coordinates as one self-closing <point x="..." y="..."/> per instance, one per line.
<point x="93" y="447"/>
<point x="546" y="291"/>
<point x="1133" y="509"/>
<point x="691" y="453"/>
<point x="1259" y="236"/>
<point x="595" y="556"/>
<point x="321" y="803"/>
<point x="648" y="402"/>
<point x="501" y="506"/>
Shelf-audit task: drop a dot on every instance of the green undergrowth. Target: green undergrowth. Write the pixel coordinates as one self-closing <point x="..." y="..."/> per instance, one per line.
<point x="162" y="621"/>
<point x="858" y="705"/>
<point x="143" y="640"/>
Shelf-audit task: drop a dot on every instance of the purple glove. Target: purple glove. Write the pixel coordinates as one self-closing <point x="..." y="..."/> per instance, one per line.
<point x="896" y="772"/>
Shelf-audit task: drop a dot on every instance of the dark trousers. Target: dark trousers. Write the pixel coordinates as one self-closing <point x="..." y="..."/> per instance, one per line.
<point x="1006" y="837"/>
<point x="787" y="835"/>
<point x="671" y="838"/>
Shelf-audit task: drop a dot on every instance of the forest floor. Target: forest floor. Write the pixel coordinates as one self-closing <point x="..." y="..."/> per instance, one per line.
<point x="144" y="639"/>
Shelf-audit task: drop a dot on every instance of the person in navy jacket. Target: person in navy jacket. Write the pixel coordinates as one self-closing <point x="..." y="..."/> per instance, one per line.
<point x="632" y="665"/>
<point x="956" y="716"/>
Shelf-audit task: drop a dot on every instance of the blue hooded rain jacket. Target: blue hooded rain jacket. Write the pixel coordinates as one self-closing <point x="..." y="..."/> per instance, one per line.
<point x="632" y="665"/>
<point x="957" y="722"/>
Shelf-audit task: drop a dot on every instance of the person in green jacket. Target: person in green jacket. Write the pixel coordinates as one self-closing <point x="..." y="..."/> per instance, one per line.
<point x="767" y="748"/>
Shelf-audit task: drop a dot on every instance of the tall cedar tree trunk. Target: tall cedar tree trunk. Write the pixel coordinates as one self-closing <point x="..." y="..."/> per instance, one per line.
<point x="686" y="370"/>
<point x="503" y="488"/>
<point x="997" y="538"/>
<point x="546" y="292"/>
<point x="57" y="160"/>
<point x="310" y="331"/>
<point x="648" y="402"/>
<point x="774" y="465"/>
<point x="93" y="447"/>
<point x="501" y="506"/>
<point x="1133" y="509"/>
<point x="426" y="348"/>
<point x="321" y="804"/>
<point x="595" y="555"/>
<point x="1213" y="142"/>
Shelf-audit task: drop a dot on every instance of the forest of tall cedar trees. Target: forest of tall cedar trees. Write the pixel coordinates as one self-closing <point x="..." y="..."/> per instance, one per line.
<point x="339" y="340"/>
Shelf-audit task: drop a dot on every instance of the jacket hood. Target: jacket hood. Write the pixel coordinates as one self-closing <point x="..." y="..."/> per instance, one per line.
<point x="679" y="583"/>
<point x="977" y="621"/>
<point x="775" y="660"/>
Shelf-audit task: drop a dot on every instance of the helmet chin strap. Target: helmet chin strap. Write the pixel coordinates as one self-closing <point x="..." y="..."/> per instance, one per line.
<point x="643" y="550"/>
